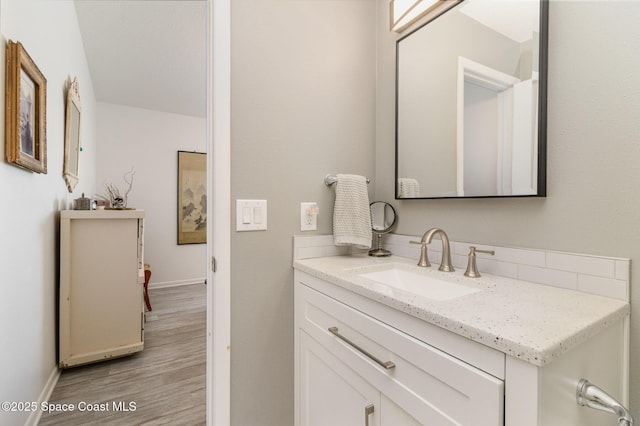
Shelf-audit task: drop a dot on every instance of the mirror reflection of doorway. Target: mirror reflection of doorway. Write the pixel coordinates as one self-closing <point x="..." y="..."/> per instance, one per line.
<point x="496" y="134"/>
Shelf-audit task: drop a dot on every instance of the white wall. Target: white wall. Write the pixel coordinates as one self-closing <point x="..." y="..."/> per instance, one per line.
<point x="30" y="202"/>
<point x="593" y="168"/>
<point x="149" y="141"/>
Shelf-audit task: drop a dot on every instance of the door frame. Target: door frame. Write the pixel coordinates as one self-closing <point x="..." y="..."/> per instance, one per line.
<point x="218" y="377"/>
<point x="482" y="75"/>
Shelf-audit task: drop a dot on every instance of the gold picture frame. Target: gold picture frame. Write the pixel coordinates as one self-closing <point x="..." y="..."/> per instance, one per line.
<point x="192" y="197"/>
<point x="25" y="111"/>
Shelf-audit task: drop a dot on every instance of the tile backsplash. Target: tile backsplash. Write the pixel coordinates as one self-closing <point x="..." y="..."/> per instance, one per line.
<point x="310" y="246"/>
<point x="604" y="276"/>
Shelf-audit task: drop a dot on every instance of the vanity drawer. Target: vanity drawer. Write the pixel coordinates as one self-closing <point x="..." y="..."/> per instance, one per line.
<point x="429" y="384"/>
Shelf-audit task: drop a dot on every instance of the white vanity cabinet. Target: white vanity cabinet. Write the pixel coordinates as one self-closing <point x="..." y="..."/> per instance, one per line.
<point x="342" y="382"/>
<point x="101" y="285"/>
<point x="439" y="378"/>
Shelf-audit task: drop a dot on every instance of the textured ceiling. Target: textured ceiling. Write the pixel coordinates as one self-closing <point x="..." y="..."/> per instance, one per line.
<point x="147" y="53"/>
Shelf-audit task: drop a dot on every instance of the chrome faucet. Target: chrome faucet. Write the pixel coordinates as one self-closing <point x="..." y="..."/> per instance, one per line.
<point x="445" y="264"/>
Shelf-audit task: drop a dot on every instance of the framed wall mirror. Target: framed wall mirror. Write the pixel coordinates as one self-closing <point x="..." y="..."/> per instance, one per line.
<point x="72" y="136"/>
<point x="471" y="102"/>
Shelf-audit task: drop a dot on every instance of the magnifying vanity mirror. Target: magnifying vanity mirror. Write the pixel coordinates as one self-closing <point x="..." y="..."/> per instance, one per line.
<point x="471" y="102"/>
<point x="383" y="218"/>
<point x="72" y="136"/>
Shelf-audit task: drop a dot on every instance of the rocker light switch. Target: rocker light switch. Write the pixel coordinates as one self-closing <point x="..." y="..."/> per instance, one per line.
<point x="257" y="215"/>
<point x="251" y="215"/>
<point x="246" y="215"/>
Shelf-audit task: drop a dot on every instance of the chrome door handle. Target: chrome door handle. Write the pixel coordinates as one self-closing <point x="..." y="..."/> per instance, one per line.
<point x="590" y="395"/>
<point x="368" y="410"/>
<point x="387" y="365"/>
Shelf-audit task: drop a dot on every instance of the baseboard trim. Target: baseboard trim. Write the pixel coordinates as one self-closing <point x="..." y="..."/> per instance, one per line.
<point x="179" y="283"/>
<point x="34" y="417"/>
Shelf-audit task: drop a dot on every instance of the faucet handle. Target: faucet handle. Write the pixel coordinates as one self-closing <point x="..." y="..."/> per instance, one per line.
<point x="424" y="258"/>
<point x="472" y="267"/>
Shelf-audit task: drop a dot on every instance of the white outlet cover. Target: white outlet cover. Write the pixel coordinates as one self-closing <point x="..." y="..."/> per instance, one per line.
<point x="308" y="222"/>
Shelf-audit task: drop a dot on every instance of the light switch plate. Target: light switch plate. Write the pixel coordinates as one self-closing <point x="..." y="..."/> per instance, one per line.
<point x="251" y="215"/>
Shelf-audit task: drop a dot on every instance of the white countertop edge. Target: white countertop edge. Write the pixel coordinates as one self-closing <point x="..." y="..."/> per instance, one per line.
<point x="543" y="342"/>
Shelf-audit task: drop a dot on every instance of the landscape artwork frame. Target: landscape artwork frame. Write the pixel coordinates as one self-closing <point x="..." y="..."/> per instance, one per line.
<point x="25" y="111"/>
<point x="192" y="197"/>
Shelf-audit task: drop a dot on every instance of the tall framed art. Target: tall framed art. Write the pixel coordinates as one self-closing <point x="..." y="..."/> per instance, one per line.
<point x="192" y="197"/>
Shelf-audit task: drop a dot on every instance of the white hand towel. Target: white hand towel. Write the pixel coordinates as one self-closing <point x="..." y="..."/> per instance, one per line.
<point x="408" y="188"/>
<point x="351" y="214"/>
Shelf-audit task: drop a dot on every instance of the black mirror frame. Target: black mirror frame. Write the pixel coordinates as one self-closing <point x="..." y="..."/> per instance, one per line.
<point x="542" y="113"/>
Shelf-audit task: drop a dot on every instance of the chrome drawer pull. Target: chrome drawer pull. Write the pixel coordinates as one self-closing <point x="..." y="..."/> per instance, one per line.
<point x="368" y="410"/>
<point x="387" y="365"/>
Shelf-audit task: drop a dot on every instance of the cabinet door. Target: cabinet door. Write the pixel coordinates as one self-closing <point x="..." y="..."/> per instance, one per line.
<point x="105" y="296"/>
<point x="100" y="294"/>
<point x="391" y="414"/>
<point x="427" y="385"/>
<point x="331" y="393"/>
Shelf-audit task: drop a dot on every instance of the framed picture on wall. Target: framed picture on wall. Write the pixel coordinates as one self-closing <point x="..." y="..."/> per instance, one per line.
<point x="192" y="197"/>
<point x="25" y="111"/>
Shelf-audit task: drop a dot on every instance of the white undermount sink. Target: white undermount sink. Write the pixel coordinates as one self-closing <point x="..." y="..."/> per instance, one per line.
<point x="421" y="284"/>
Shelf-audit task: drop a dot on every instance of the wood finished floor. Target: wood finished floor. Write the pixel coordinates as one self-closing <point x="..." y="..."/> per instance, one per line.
<point x="166" y="381"/>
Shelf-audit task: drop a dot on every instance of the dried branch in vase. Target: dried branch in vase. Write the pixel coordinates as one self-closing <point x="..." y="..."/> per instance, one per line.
<point x="113" y="194"/>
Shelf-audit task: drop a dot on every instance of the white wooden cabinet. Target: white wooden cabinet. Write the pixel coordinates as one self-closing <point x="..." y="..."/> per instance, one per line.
<point x="439" y="378"/>
<point x="101" y="312"/>
<point x="425" y="386"/>
<point x="333" y="393"/>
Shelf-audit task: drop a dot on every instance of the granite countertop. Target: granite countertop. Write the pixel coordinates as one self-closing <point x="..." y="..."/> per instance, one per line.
<point x="532" y="322"/>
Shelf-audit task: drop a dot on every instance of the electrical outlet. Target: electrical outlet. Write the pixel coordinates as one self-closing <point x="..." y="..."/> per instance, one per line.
<point x="309" y="216"/>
